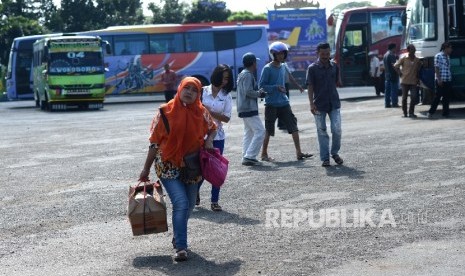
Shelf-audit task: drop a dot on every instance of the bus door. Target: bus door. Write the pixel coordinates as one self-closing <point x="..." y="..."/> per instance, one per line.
<point x="225" y="44"/>
<point x="354" y="56"/>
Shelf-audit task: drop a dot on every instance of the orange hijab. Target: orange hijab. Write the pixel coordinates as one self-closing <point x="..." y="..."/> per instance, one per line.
<point x="187" y="124"/>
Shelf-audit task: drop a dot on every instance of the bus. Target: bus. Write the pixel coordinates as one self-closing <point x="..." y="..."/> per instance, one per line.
<point x="69" y="71"/>
<point x="429" y="23"/>
<point x="140" y="53"/>
<point x="359" y="31"/>
<point x="18" y="75"/>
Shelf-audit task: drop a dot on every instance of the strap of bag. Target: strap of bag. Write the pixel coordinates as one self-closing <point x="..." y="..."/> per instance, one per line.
<point x="165" y="120"/>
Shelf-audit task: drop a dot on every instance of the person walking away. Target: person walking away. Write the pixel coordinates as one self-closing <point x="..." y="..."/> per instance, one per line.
<point x="247" y="109"/>
<point x="218" y="101"/>
<point x="322" y="78"/>
<point x="289" y="78"/>
<point x="375" y="72"/>
<point x="391" y="77"/>
<point x="443" y="77"/>
<point x="276" y="102"/>
<point x="168" y="78"/>
<point x="408" y="69"/>
<point x="187" y="124"/>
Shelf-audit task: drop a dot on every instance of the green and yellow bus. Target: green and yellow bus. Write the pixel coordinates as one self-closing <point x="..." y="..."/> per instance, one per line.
<point x="69" y="71"/>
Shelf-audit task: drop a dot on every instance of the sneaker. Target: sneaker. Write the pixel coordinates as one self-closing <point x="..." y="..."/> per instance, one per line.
<point x="181" y="255"/>
<point x="216" y="207"/>
<point x="250" y="162"/>
<point x="325" y="163"/>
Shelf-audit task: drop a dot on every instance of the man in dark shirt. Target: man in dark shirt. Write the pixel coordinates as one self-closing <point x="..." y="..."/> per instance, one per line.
<point x="391" y="76"/>
<point x="322" y="79"/>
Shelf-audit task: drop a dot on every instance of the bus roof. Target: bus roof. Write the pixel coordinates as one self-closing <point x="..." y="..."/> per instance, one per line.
<point x="167" y="28"/>
<point x="368" y="9"/>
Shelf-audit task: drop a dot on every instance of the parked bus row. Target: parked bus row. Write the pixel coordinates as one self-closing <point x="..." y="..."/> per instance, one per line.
<point x="140" y="53"/>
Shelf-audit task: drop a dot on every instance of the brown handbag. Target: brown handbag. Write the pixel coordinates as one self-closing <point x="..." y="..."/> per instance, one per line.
<point x="191" y="170"/>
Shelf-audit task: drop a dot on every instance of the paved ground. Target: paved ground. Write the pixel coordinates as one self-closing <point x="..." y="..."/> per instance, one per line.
<point x="394" y="208"/>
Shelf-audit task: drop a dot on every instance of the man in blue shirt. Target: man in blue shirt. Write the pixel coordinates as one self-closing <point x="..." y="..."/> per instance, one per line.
<point x="443" y="77"/>
<point x="322" y="79"/>
<point x="277" y="106"/>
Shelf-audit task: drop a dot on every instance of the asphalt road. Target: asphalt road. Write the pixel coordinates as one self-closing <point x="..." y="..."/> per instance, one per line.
<point x="394" y="208"/>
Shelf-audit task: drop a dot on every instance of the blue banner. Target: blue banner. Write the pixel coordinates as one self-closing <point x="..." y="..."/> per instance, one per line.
<point x="302" y="30"/>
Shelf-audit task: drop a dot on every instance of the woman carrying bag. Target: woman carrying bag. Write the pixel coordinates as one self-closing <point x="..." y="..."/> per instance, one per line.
<point x="177" y="131"/>
<point x="217" y="99"/>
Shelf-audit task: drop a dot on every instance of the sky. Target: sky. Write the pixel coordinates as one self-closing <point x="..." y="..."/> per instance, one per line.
<point x="259" y="6"/>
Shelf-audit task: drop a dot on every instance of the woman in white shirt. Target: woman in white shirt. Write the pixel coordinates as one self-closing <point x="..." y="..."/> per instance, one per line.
<point x="217" y="99"/>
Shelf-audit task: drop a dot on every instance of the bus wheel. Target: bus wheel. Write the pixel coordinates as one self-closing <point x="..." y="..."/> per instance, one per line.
<point x="84" y="106"/>
<point x="43" y="104"/>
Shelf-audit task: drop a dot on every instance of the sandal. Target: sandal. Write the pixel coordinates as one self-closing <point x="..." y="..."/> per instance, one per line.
<point x="326" y="163"/>
<point x="267" y="158"/>
<point x="302" y="156"/>
<point x="338" y="159"/>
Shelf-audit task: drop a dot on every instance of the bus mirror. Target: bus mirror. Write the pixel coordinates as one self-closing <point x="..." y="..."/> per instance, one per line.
<point x="107" y="48"/>
<point x="403" y="18"/>
<point x="425" y="3"/>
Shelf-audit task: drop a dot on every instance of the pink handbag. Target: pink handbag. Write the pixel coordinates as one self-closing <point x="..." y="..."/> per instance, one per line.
<point x="214" y="166"/>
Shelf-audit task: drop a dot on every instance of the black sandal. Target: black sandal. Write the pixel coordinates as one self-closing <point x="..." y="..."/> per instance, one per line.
<point x="338" y="159"/>
<point x="326" y="163"/>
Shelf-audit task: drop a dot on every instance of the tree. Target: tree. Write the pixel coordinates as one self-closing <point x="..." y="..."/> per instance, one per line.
<point x="207" y="11"/>
<point x="12" y="27"/>
<point x="246" y="16"/>
<point x="118" y="12"/>
<point x="77" y="15"/>
<point x="172" y="12"/>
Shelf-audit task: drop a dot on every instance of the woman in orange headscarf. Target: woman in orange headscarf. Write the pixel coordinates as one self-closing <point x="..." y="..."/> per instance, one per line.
<point x="188" y="122"/>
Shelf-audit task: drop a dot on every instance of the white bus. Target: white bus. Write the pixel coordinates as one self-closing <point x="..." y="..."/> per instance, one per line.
<point x="429" y="23"/>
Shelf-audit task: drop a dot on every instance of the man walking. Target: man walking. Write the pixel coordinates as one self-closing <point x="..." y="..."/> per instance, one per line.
<point x="408" y="68"/>
<point x="391" y="78"/>
<point x="168" y="78"/>
<point x="247" y="109"/>
<point x="443" y="77"/>
<point x="322" y="78"/>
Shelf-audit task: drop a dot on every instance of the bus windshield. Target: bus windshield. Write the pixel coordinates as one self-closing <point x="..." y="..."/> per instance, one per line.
<point x="423" y="21"/>
<point x="82" y="63"/>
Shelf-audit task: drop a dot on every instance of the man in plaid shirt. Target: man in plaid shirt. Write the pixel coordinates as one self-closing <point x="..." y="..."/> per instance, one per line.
<point x="443" y="78"/>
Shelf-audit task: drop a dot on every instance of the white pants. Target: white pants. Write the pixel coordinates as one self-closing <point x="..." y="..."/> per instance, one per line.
<point x="254" y="133"/>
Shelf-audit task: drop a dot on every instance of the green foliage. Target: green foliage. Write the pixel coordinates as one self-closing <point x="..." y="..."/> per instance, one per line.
<point x="246" y="16"/>
<point x="117" y="12"/>
<point x="207" y="11"/>
<point x="16" y="26"/>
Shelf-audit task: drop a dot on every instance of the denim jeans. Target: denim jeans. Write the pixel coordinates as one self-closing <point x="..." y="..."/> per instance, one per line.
<point x="182" y="198"/>
<point x="323" y="137"/>
<point x="219" y="144"/>
<point x="390" y="93"/>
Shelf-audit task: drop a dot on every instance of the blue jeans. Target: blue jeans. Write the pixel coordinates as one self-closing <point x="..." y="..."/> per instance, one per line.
<point x="219" y="144"/>
<point x="182" y="198"/>
<point x="323" y="137"/>
<point x="390" y="93"/>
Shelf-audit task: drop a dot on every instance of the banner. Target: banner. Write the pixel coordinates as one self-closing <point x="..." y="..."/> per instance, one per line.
<point x="302" y="30"/>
